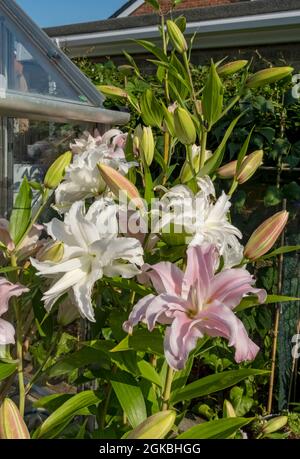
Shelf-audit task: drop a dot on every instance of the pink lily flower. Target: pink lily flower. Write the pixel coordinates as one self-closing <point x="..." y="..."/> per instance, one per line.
<point x="196" y="303"/>
<point x="7" y="290"/>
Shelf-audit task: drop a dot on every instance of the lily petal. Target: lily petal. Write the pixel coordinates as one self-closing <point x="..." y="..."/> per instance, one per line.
<point x="7" y="333"/>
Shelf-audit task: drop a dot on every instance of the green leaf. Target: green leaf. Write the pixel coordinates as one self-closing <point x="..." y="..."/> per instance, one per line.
<point x="9" y="269"/>
<point x="212" y="97"/>
<point x="214" y="383"/>
<point x="148" y="372"/>
<point x="66" y="412"/>
<point x="153" y="3"/>
<point x="7" y="369"/>
<point x="79" y="359"/>
<point x="131" y="399"/>
<point x="284" y="249"/>
<point x="130" y="285"/>
<point x="21" y="213"/>
<point x="219" y="429"/>
<point x="241" y="402"/>
<point x="243" y="152"/>
<point x="215" y="161"/>
<point x="273" y="196"/>
<point x="149" y="46"/>
<point x="52" y="402"/>
<point x="142" y="340"/>
<point x="251" y="301"/>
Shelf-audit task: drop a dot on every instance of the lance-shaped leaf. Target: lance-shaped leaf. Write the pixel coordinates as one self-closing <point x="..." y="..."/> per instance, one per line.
<point x="21" y="213"/>
<point x="219" y="429"/>
<point x="251" y="301"/>
<point x="212" y="97"/>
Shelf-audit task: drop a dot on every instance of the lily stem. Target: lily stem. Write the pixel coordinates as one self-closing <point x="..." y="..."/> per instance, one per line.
<point x="167" y="389"/>
<point x="203" y="147"/>
<point x="19" y="347"/>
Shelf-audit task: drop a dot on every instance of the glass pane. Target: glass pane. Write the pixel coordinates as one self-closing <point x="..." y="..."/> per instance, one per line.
<point x="33" y="146"/>
<point x="28" y="70"/>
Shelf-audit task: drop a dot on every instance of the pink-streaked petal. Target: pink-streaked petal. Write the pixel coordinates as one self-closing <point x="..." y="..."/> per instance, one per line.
<point x="4" y="234"/>
<point x="180" y="339"/>
<point x="165" y="277"/>
<point x="219" y="320"/>
<point x="7" y="333"/>
<point x="199" y="272"/>
<point x="163" y="309"/>
<point x="7" y="290"/>
<point x="230" y="286"/>
<point x="138" y="313"/>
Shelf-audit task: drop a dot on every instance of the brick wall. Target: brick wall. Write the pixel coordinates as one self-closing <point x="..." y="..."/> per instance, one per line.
<point x="186" y="4"/>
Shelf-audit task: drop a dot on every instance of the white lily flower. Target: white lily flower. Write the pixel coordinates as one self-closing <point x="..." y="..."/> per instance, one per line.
<point x="202" y="219"/>
<point x="83" y="179"/>
<point x="92" y="249"/>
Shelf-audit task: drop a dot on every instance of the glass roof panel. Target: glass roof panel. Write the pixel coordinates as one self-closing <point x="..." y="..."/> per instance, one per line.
<point x="30" y="63"/>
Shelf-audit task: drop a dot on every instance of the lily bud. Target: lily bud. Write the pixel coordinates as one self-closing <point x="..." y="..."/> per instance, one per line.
<point x="186" y="174"/>
<point x="57" y="170"/>
<point x="249" y="166"/>
<point x="12" y="425"/>
<point x="126" y="69"/>
<point x="265" y="236"/>
<point x="267" y="76"/>
<point x="274" y="425"/>
<point x="137" y="135"/>
<point x="231" y="67"/>
<point x="177" y="37"/>
<point x="169" y="120"/>
<point x="155" y="427"/>
<point x="51" y="252"/>
<point x="228" y="409"/>
<point x="114" y="91"/>
<point x="147" y="145"/>
<point x="151" y="110"/>
<point x="184" y="126"/>
<point x="118" y="183"/>
<point x="227" y="171"/>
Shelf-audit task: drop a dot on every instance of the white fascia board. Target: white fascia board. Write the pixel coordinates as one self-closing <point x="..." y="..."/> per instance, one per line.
<point x="244" y="25"/>
<point x="131" y="9"/>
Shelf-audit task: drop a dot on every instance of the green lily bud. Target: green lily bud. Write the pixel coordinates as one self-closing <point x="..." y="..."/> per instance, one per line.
<point x="231" y="67"/>
<point x="249" y="166"/>
<point x="275" y="424"/>
<point x="155" y="427"/>
<point x="136" y="141"/>
<point x="228" y="410"/>
<point x="265" y="236"/>
<point x="112" y="91"/>
<point x="151" y="110"/>
<point x="184" y="126"/>
<point x="51" y="252"/>
<point x="186" y="173"/>
<point x="147" y="145"/>
<point x="12" y="425"/>
<point x="118" y="183"/>
<point x="169" y="121"/>
<point x="56" y="171"/>
<point x="177" y="37"/>
<point x="267" y="76"/>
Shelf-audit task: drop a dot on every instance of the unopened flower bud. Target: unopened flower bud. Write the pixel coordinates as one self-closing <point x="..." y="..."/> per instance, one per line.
<point x="57" y="170"/>
<point x="228" y="409"/>
<point x="118" y="183"/>
<point x="151" y="110"/>
<point x="126" y="69"/>
<point x="249" y="166"/>
<point x="54" y="251"/>
<point x="231" y="67"/>
<point x="137" y="135"/>
<point x="155" y="427"/>
<point x="113" y="91"/>
<point x="12" y="425"/>
<point x="265" y="236"/>
<point x="147" y="145"/>
<point x="184" y="126"/>
<point x="177" y="37"/>
<point x="267" y="76"/>
<point x="275" y="424"/>
<point x="169" y="119"/>
<point x="228" y="170"/>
